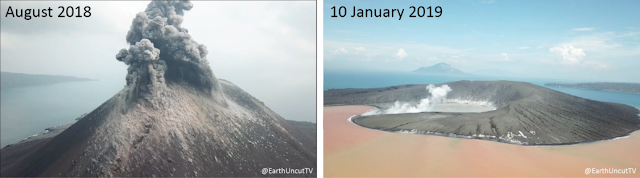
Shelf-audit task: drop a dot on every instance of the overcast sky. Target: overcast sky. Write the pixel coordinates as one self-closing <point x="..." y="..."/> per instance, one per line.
<point x="586" y="40"/>
<point x="266" y="48"/>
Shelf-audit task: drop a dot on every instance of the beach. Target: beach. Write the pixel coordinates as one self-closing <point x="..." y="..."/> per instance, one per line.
<point x="354" y="151"/>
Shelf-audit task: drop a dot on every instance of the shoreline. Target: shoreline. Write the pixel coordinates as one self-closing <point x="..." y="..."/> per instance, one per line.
<point x="47" y="133"/>
<point x="557" y="86"/>
<point x="55" y="130"/>
<point x="488" y="139"/>
<point x="351" y="120"/>
<point x="357" y="152"/>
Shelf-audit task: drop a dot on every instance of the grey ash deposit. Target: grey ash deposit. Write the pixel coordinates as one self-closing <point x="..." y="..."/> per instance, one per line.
<point x="525" y="114"/>
<point x="173" y="118"/>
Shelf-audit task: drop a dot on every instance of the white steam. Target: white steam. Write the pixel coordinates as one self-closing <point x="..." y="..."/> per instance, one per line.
<point x="438" y="95"/>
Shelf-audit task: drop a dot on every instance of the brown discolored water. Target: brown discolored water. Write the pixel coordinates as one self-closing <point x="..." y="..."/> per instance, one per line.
<point x="352" y="151"/>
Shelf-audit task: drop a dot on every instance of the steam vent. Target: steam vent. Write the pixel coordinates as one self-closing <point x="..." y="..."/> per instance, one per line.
<point x="524" y="113"/>
<point x="173" y="118"/>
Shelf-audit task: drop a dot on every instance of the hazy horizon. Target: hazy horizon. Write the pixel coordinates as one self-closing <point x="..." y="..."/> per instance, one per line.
<point x="565" y="40"/>
<point x="251" y="44"/>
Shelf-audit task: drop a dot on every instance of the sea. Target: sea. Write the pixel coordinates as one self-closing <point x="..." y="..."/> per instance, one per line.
<point x="25" y="111"/>
<point x="372" y="79"/>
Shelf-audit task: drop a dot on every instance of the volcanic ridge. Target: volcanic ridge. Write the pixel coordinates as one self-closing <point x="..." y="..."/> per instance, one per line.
<point x="524" y="113"/>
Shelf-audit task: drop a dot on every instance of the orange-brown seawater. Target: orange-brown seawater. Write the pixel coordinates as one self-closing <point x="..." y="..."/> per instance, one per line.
<point x="353" y="151"/>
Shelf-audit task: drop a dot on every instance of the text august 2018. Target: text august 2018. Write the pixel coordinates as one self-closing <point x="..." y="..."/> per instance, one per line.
<point x="68" y="11"/>
<point x="419" y="11"/>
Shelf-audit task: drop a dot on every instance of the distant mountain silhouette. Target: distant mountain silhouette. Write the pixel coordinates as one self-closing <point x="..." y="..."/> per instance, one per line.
<point x="10" y="79"/>
<point x="441" y="68"/>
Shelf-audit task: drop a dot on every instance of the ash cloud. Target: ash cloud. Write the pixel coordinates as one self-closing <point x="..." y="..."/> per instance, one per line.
<point x="438" y="95"/>
<point x="162" y="52"/>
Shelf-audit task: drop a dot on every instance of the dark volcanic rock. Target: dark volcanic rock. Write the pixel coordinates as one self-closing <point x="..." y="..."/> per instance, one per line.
<point x="189" y="135"/>
<point x="306" y="132"/>
<point x="526" y="113"/>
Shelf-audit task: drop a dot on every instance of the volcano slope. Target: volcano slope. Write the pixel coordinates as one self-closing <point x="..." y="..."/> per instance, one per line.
<point x="173" y="118"/>
<point x="526" y="114"/>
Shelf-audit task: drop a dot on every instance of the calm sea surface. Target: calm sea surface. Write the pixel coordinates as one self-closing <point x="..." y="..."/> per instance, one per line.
<point x="343" y="79"/>
<point x="25" y="111"/>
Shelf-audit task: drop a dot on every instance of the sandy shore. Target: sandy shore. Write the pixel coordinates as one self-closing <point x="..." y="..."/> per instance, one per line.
<point x="354" y="151"/>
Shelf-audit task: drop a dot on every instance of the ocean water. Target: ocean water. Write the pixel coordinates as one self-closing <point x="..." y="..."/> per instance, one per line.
<point x="348" y="79"/>
<point x="29" y="110"/>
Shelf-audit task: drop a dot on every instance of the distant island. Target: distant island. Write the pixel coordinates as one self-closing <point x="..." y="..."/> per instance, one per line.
<point x="442" y="69"/>
<point x="604" y="86"/>
<point x="11" y="80"/>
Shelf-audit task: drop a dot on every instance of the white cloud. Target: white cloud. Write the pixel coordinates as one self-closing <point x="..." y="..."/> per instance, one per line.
<point x="524" y="47"/>
<point x="583" y="29"/>
<point x="608" y="46"/>
<point x="349" y="52"/>
<point x="506" y="57"/>
<point x="401" y="54"/>
<point x="570" y="55"/>
<point x="573" y="56"/>
<point x="382" y="52"/>
<point x="597" y="42"/>
<point x="341" y="50"/>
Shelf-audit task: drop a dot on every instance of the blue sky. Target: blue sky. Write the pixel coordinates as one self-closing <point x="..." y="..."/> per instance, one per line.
<point x="574" y="40"/>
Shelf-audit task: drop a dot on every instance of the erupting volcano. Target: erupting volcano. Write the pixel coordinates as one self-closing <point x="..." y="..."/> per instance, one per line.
<point x="173" y="118"/>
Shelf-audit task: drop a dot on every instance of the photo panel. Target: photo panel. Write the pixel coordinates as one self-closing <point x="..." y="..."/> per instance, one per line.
<point x="158" y="89"/>
<point x="481" y="88"/>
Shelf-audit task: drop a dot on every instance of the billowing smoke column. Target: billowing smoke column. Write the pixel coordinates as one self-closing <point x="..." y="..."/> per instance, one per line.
<point x="162" y="52"/>
<point x="438" y="94"/>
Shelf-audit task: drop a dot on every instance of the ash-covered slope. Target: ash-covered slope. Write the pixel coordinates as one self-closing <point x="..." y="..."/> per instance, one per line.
<point x="173" y="118"/>
<point x="525" y="114"/>
<point x="190" y="134"/>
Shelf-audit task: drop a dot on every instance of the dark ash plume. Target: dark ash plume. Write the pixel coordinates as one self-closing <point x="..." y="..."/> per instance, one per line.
<point x="162" y="52"/>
